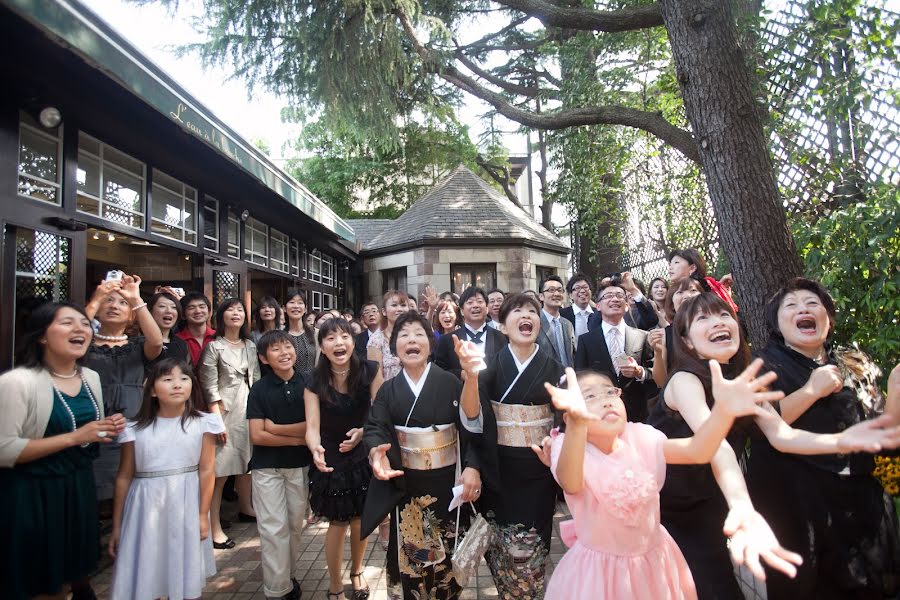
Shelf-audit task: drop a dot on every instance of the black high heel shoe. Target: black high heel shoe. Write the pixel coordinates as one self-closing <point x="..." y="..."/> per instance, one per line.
<point x="226" y="545"/>
<point x="363" y="592"/>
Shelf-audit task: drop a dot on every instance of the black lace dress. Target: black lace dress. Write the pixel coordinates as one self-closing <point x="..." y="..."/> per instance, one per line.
<point x="121" y="370"/>
<point x="693" y="509"/>
<point x="829" y="508"/>
<point x="341" y="494"/>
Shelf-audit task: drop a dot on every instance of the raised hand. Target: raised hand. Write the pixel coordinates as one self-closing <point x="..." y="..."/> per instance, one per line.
<point x="873" y="435"/>
<point x="318" y="455"/>
<point x="543" y="451"/>
<point x="570" y="400"/>
<point x="381" y="464"/>
<point x="825" y="381"/>
<point x="752" y="539"/>
<point x="657" y="340"/>
<point x="471" y="358"/>
<point x="430" y="297"/>
<point x="131" y="288"/>
<point x="743" y="394"/>
<point x="354" y="437"/>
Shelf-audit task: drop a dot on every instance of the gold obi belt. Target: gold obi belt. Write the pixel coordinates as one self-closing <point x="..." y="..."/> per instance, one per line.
<point x="426" y="448"/>
<point x="521" y="425"/>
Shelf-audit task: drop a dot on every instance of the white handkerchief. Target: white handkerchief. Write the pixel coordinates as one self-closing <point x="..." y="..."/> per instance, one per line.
<point x="457" y="497"/>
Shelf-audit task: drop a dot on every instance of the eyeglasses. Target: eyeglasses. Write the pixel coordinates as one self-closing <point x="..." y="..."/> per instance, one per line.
<point x="607" y="392"/>
<point x="581" y="288"/>
<point x="553" y="290"/>
<point x="616" y="295"/>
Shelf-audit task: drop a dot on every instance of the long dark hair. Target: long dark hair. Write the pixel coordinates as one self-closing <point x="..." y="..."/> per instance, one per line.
<point x="681" y="285"/>
<point x="269" y="302"/>
<point x="159" y="296"/>
<point x="150" y="405"/>
<point x="220" y="318"/>
<point x="31" y="354"/>
<point x="309" y="330"/>
<point x="686" y="358"/>
<point x="323" y="366"/>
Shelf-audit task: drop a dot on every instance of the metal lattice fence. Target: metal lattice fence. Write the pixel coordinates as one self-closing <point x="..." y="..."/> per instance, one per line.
<point x="835" y="130"/>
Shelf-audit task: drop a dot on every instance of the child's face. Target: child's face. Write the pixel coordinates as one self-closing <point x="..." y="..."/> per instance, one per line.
<point x="173" y="389"/>
<point x="603" y="399"/>
<point x="338" y="346"/>
<point x="280" y="356"/>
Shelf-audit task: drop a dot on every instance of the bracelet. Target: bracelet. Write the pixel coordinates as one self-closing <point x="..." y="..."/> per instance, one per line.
<point x="139" y="306"/>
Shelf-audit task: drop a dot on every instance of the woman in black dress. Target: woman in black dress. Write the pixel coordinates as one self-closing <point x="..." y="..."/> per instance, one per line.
<point x="120" y="360"/>
<point x="514" y="411"/>
<point x="828" y="507"/>
<point x="338" y="397"/>
<point x="661" y="340"/>
<point x="303" y="336"/>
<point x="697" y="499"/>
<point x="418" y="451"/>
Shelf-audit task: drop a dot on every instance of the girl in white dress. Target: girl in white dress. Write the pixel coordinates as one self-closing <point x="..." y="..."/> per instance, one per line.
<point x="163" y="489"/>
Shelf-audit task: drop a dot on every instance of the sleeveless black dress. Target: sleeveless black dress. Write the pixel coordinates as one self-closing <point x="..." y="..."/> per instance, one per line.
<point x="693" y="509"/>
<point x="341" y="494"/>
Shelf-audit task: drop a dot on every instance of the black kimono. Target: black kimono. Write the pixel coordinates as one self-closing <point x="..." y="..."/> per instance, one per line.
<point x="419" y="499"/>
<point x="519" y="495"/>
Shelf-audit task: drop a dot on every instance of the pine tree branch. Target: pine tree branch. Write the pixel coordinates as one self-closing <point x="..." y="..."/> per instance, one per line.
<point x="588" y="19"/>
<point x="501" y="175"/>
<point x="512" y="88"/>
<point x="652" y="123"/>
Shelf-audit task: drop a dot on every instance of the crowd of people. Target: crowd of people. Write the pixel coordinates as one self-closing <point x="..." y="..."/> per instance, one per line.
<point x="452" y="425"/>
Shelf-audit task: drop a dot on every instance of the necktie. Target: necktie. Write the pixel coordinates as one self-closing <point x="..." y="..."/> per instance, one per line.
<point x="476" y="336"/>
<point x="557" y="337"/>
<point x="615" y="347"/>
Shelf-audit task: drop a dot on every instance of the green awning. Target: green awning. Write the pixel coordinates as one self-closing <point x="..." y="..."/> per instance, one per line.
<point x="83" y="31"/>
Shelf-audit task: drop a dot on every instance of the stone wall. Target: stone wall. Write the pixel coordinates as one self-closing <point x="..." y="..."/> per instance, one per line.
<point x="516" y="267"/>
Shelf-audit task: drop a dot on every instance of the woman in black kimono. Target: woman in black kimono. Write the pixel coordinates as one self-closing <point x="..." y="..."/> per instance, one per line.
<point x="418" y="451"/>
<point x="828" y="507"/>
<point x="509" y="403"/>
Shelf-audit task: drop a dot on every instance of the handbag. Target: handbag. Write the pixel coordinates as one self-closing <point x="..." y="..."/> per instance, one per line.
<point x="467" y="554"/>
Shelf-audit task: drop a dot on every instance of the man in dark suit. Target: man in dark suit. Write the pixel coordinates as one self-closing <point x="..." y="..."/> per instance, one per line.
<point x="473" y="305"/>
<point x="581" y="314"/>
<point x="371" y="319"/>
<point x="556" y="335"/>
<point x="621" y="351"/>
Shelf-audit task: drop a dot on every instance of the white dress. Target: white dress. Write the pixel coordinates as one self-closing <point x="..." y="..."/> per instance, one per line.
<point x="160" y="552"/>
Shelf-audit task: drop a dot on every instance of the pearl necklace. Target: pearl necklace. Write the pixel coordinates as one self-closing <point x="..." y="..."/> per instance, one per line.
<point x="61" y="376"/>
<point x="110" y="338"/>
<point x="69" y="410"/>
<point x="237" y="343"/>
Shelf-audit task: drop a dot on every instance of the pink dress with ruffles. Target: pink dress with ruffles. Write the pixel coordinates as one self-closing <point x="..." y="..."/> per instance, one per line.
<point x="617" y="547"/>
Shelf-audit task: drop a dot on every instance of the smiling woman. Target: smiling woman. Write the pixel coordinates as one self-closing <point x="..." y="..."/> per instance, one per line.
<point x="846" y="530"/>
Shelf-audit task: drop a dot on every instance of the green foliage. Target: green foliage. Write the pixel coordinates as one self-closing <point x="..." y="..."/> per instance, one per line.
<point x="357" y="179"/>
<point x="855" y="253"/>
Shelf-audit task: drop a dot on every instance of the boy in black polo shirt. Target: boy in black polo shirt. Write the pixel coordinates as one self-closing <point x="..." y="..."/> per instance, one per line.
<point x="278" y="430"/>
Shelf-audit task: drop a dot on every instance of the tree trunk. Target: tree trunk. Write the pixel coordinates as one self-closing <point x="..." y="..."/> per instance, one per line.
<point x="727" y="124"/>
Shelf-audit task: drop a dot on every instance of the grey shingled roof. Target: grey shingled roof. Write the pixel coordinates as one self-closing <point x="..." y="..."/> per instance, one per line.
<point x="367" y="230"/>
<point x="461" y="207"/>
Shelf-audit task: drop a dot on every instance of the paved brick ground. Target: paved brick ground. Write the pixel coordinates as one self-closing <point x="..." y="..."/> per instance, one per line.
<point x="239" y="574"/>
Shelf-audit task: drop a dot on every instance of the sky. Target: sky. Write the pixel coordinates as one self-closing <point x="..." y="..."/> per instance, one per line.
<point x="156" y="31"/>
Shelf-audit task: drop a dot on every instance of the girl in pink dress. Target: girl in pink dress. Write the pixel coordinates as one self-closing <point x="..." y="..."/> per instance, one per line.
<point x="612" y="472"/>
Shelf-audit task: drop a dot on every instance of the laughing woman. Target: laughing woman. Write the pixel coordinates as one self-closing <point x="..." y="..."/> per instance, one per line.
<point x="509" y="404"/>
<point x="166" y="311"/>
<point x="338" y="397"/>
<point x="697" y="499"/>
<point x="845" y="527"/>
<point x="418" y="451"/>
<point x="52" y="420"/>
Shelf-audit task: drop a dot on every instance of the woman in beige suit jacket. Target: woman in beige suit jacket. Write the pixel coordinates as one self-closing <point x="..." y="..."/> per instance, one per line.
<point x="228" y="367"/>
